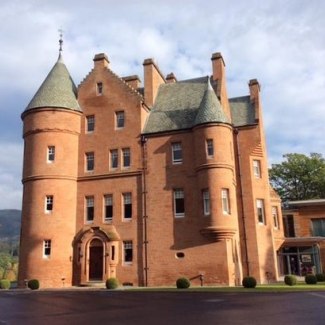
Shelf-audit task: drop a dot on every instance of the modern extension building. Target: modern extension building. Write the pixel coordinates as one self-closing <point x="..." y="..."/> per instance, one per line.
<point x="146" y="183"/>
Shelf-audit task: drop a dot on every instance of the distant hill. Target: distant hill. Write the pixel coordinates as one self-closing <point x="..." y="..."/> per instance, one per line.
<point x="10" y="221"/>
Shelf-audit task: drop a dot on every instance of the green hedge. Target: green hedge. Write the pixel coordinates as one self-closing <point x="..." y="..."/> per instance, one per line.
<point x="320" y="277"/>
<point x="112" y="283"/>
<point x="183" y="283"/>
<point x="249" y="282"/>
<point x="290" y="280"/>
<point x="310" y="279"/>
<point x="33" y="284"/>
<point x="4" y="284"/>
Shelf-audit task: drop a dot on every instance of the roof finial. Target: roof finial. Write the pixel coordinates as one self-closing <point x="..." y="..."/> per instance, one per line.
<point x="61" y="40"/>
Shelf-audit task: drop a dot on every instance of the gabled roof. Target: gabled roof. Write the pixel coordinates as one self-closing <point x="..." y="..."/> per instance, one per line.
<point x="242" y="111"/>
<point x="58" y="90"/>
<point x="183" y="105"/>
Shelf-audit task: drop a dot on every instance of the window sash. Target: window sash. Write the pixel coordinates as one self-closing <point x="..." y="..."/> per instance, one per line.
<point x="90" y="123"/>
<point x="260" y="211"/>
<point x="257" y="168"/>
<point x="275" y="217"/>
<point x="128" y="251"/>
<point x="177" y="153"/>
<point x="108" y="207"/>
<point x="120" y="119"/>
<point x="99" y="87"/>
<point x="114" y="158"/>
<point x="90" y="158"/>
<point x="179" y="203"/>
<point x="90" y="208"/>
<point x="127" y="206"/>
<point x="126" y="157"/>
<point x="318" y="227"/>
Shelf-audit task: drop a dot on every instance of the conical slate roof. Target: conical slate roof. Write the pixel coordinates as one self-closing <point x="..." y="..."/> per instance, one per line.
<point x="183" y="105"/>
<point x="210" y="109"/>
<point x="57" y="90"/>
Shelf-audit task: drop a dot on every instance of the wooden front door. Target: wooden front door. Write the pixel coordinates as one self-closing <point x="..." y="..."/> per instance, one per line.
<point x="96" y="260"/>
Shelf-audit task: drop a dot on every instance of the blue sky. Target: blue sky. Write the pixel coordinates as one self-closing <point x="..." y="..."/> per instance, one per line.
<point x="279" y="42"/>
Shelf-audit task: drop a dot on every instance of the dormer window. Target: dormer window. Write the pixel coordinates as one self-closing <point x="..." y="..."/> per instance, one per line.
<point x="99" y="88"/>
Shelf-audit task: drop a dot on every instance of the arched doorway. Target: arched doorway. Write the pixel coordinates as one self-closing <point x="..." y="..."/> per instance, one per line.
<point x="96" y="251"/>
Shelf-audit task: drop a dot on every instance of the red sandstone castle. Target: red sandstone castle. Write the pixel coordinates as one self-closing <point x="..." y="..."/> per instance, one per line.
<point x="146" y="183"/>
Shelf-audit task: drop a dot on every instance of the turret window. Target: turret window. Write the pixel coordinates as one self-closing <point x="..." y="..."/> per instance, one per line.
<point x="225" y="201"/>
<point x="206" y="202"/>
<point x="177" y="153"/>
<point x="90" y="121"/>
<point x="49" y="204"/>
<point x="210" y="148"/>
<point x="50" y="154"/>
<point x="47" y="248"/>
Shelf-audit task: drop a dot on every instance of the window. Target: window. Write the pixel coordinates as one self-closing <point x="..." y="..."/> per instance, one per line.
<point x="50" y="154"/>
<point x="179" y="208"/>
<point x="108" y="201"/>
<point x="114" y="158"/>
<point x="127" y="205"/>
<point x="89" y="208"/>
<point x="90" y="120"/>
<point x="206" y="202"/>
<point x="99" y="88"/>
<point x="275" y="217"/>
<point x="128" y="252"/>
<point x="260" y="211"/>
<point x="257" y="168"/>
<point x="90" y="161"/>
<point x="210" y="149"/>
<point x="318" y="227"/>
<point x="47" y="248"/>
<point x="119" y="119"/>
<point x="225" y="201"/>
<point x="177" y="154"/>
<point x="49" y="203"/>
<point x="126" y="157"/>
<point x="289" y="226"/>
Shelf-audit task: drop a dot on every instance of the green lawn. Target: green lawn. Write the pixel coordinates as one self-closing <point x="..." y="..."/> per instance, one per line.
<point x="277" y="287"/>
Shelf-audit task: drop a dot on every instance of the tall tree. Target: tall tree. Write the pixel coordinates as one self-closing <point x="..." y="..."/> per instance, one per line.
<point x="299" y="177"/>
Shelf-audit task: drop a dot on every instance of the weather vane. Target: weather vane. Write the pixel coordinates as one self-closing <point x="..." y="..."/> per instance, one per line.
<point x="61" y="40"/>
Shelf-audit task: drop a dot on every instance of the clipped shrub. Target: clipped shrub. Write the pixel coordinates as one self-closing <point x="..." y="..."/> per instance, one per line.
<point x="4" y="284"/>
<point x="290" y="280"/>
<point x="33" y="284"/>
<point x="320" y="277"/>
<point x="183" y="283"/>
<point x="249" y="282"/>
<point x="310" y="279"/>
<point x="111" y="283"/>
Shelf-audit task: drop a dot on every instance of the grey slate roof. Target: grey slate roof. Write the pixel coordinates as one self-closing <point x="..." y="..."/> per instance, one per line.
<point x="183" y="105"/>
<point x="57" y="90"/>
<point x="242" y="111"/>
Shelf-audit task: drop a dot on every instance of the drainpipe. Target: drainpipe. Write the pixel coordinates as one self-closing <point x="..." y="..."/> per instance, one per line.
<point x="241" y="199"/>
<point x="144" y="200"/>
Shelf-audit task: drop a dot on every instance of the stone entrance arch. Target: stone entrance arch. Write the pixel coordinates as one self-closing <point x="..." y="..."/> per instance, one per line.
<point x="95" y="255"/>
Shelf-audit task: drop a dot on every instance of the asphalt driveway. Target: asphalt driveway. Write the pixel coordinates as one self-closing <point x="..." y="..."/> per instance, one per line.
<point x="165" y="308"/>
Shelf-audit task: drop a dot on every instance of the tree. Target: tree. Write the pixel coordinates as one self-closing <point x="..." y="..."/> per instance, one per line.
<point x="299" y="177"/>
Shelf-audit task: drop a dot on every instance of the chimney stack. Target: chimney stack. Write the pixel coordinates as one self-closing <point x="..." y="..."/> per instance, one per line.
<point x="101" y="61"/>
